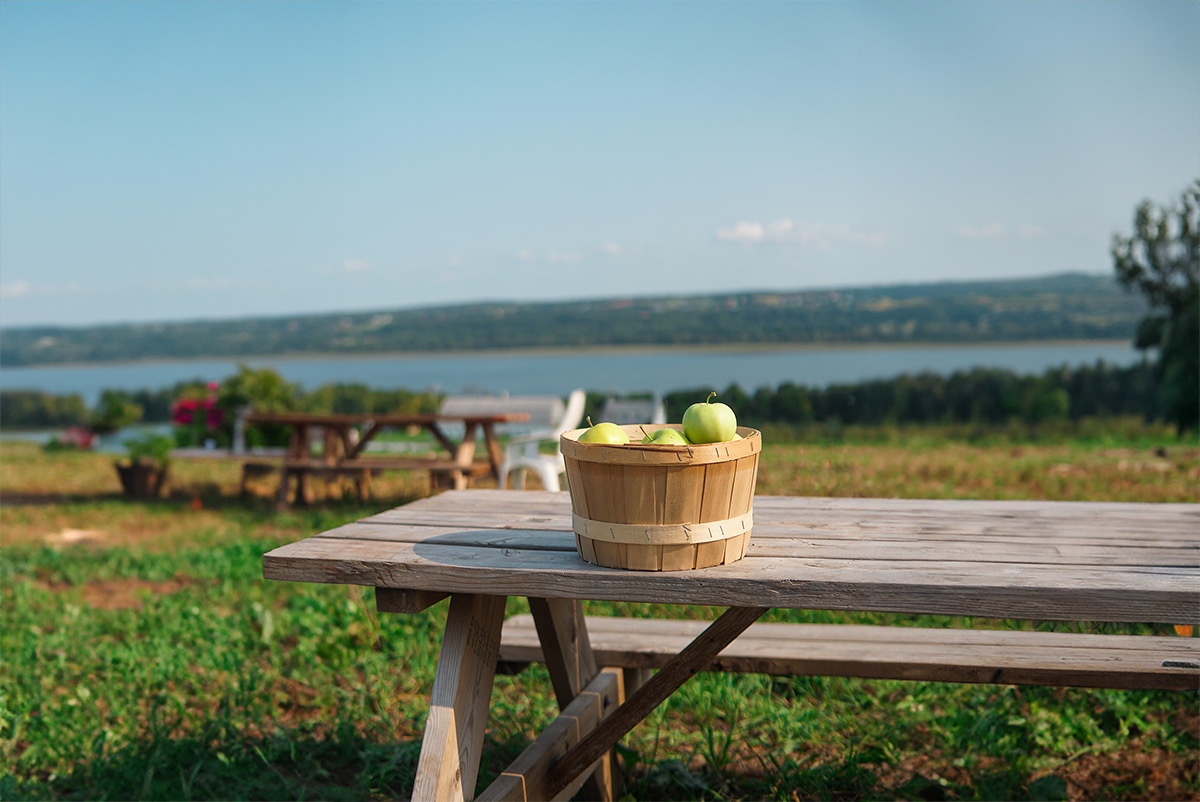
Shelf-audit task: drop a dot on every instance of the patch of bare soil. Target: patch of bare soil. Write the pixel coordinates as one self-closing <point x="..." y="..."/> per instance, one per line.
<point x="122" y="594"/>
<point x="1153" y="774"/>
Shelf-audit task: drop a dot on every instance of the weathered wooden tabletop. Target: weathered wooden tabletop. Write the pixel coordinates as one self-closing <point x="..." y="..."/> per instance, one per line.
<point x="1008" y="559"/>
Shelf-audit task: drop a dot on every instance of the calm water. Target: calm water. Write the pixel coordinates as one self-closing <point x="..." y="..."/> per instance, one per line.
<point x="621" y="372"/>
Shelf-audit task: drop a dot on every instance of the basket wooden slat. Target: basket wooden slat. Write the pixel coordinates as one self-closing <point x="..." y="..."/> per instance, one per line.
<point x="661" y="488"/>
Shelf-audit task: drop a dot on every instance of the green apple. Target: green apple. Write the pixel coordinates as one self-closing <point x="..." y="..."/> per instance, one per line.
<point x="665" y="437"/>
<point x="609" y="433"/>
<point x="709" y="423"/>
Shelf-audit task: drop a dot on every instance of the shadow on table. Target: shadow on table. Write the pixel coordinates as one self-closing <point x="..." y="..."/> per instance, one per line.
<point x="463" y="547"/>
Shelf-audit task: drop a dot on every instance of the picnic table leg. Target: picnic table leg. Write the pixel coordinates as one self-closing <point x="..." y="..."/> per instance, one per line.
<point x="456" y="479"/>
<point x="331" y="455"/>
<point x="298" y="448"/>
<point x="284" y="479"/>
<point x="364" y="484"/>
<point x="464" y="455"/>
<point x="462" y="688"/>
<point x="572" y="667"/>
<point x="495" y="453"/>
<point x="305" y="495"/>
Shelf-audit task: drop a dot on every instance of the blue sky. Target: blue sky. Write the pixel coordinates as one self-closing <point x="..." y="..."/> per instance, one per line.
<point x="162" y="161"/>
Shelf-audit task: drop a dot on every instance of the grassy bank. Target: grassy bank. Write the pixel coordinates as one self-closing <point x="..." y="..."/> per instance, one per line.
<point x="145" y="658"/>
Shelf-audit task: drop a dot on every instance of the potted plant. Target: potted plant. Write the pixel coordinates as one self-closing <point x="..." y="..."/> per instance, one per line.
<point x="145" y="473"/>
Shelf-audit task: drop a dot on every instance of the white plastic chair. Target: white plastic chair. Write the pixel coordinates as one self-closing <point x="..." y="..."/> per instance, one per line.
<point x="523" y="452"/>
<point x="634" y="410"/>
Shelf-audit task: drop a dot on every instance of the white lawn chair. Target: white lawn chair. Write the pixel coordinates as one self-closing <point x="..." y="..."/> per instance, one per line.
<point x="634" y="410"/>
<point x="523" y="452"/>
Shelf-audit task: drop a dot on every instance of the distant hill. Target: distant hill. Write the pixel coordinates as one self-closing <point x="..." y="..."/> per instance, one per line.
<point x="1061" y="307"/>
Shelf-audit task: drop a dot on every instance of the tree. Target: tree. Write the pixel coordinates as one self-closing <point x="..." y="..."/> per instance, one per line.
<point x="1162" y="260"/>
<point x="115" y="410"/>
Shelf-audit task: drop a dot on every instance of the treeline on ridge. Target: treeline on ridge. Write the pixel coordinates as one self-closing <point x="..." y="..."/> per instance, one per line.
<point x="980" y="395"/>
<point x="1062" y="307"/>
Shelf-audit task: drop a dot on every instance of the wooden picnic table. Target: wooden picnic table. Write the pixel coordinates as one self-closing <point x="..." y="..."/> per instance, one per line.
<point x="1066" y="561"/>
<point x="344" y="440"/>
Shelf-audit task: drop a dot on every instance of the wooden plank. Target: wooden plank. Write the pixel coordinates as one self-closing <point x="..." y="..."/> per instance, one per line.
<point x="505" y="504"/>
<point x="495" y="453"/>
<point x="464" y="452"/>
<point x="678" y="504"/>
<point x="563" y="637"/>
<point x="966" y="549"/>
<point x="718" y="491"/>
<point x="635" y="709"/>
<point x="796" y="567"/>
<point x="735" y="547"/>
<point x="913" y="653"/>
<point x="1125" y="524"/>
<point x="578" y="500"/>
<point x="634" y="678"/>
<point x="560" y="629"/>
<point x="397" y="600"/>
<point x="1143" y="594"/>
<point x="678" y="558"/>
<point x="442" y="438"/>
<point x="462" y="687"/>
<point x="370" y="429"/>
<point x="768" y="527"/>
<point x="525" y="779"/>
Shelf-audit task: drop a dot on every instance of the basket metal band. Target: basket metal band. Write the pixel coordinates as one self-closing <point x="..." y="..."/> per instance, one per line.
<point x="662" y="534"/>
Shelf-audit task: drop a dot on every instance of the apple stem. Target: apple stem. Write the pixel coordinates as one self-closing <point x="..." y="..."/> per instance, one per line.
<point x="589" y="420"/>
<point x="644" y="432"/>
<point x="711" y="396"/>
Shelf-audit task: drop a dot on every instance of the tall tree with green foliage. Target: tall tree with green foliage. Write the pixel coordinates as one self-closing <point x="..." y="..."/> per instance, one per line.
<point x="1162" y="260"/>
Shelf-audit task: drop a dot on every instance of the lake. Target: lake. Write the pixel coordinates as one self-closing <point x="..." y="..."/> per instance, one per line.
<point x="658" y="370"/>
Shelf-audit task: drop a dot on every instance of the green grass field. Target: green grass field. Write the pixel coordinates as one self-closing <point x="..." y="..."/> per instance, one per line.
<point x="144" y="657"/>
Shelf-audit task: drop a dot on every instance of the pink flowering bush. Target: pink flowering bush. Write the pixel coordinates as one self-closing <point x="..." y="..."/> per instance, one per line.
<point x="198" y="418"/>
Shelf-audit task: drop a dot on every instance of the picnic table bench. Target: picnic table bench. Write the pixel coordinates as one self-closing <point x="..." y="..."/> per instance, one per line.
<point x="1034" y="561"/>
<point x="344" y="440"/>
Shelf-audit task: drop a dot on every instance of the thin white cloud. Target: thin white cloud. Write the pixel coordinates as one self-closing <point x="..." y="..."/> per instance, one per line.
<point x="1000" y="231"/>
<point x="780" y="229"/>
<point x="345" y="266"/>
<point x="23" y="288"/>
<point x="612" y="249"/>
<point x="16" y="289"/>
<point x="743" y="231"/>
<point x="553" y="257"/>
<point x="820" y="235"/>
<point x="988" y="231"/>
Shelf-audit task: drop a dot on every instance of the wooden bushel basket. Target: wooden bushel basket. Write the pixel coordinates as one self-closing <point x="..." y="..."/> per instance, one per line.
<point x="661" y="508"/>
